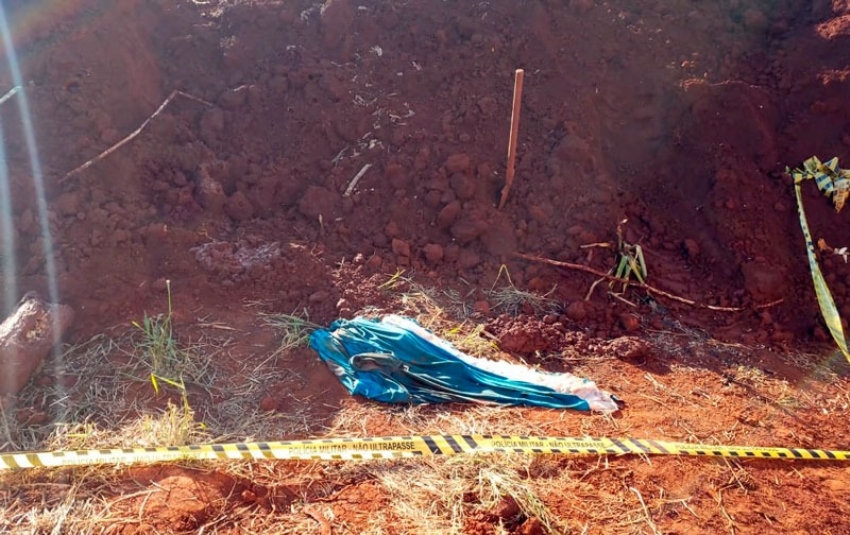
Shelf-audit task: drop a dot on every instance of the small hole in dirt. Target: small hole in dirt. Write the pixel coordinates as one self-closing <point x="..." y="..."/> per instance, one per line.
<point x="72" y="87"/>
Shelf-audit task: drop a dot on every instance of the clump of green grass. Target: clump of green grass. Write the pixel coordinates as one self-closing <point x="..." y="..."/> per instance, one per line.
<point x="295" y="330"/>
<point x="167" y="360"/>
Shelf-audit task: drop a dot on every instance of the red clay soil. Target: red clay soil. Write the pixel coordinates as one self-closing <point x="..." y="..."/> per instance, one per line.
<point x="680" y="116"/>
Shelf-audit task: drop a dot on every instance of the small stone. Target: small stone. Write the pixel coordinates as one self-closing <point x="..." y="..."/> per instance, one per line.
<point x="692" y="248"/>
<point x="629" y="322"/>
<point x="628" y="348"/>
<point x="160" y="285"/>
<point x="532" y="526"/>
<point x="68" y="204"/>
<point x="392" y="230"/>
<point x="268" y="404"/>
<point x="481" y="307"/>
<point x="433" y="252"/>
<point x="319" y="297"/>
<point x="238" y="207"/>
<point x="211" y="195"/>
<point x="468" y="259"/>
<point x="458" y="163"/>
<point x="463" y="186"/>
<point x="468" y="229"/>
<point x="576" y="311"/>
<point x="374" y="262"/>
<point x="487" y="106"/>
<point x="401" y="247"/>
<point x="506" y="508"/>
<point x="448" y="214"/>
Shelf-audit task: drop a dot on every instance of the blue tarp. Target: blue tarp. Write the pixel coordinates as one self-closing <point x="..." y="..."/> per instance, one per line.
<point x="387" y="362"/>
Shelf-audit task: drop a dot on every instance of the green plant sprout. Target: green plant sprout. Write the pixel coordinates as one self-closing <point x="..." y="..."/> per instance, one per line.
<point x="158" y="342"/>
<point x="629" y="260"/>
<point x="393" y="281"/>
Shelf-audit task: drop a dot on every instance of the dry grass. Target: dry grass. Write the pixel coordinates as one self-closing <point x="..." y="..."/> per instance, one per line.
<point x="294" y="329"/>
<point x="443" y="495"/>
<point x="113" y="404"/>
<point x="508" y="298"/>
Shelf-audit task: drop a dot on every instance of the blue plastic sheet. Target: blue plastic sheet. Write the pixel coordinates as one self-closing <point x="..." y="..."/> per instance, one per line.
<point x="387" y="362"/>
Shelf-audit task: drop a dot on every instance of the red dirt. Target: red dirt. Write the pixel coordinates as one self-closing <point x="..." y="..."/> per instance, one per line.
<point x="679" y="116"/>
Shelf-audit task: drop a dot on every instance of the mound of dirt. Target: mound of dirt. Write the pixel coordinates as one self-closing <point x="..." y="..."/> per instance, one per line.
<point x="677" y="116"/>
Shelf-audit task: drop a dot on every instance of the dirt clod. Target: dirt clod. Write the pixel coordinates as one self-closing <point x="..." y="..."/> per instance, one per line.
<point x="532" y="526"/>
<point x="628" y="348"/>
<point x="401" y="248"/>
<point x="576" y="311"/>
<point x="458" y="163"/>
<point x="506" y="509"/>
<point x="238" y="207"/>
<point x="433" y="252"/>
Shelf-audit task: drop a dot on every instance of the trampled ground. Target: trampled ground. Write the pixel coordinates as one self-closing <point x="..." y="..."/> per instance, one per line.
<point x="679" y="116"/>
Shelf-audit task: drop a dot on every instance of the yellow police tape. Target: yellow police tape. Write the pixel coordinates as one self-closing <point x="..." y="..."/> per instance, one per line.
<point x="835" y="183"/>
<point x="400" y="447"/>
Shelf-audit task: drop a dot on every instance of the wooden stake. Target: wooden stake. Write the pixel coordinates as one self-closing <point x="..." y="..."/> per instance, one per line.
<point x="509" y="174"/>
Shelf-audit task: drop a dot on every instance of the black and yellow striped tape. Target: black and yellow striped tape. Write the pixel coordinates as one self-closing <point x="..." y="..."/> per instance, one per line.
<point x="835" y="183"/>
<point x="399" y="447"/>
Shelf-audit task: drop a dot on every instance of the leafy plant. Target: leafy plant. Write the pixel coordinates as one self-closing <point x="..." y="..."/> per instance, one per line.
<point x="629" y="260"/>
<point x="167" y="360"/>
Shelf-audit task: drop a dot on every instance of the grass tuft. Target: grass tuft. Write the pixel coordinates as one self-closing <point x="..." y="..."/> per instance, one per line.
<point x="512" y="300"/>
<point x="295" y="330"/>
<point x="443" y="495"/>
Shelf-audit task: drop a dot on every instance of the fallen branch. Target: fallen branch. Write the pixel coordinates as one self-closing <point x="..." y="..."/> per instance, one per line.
<point x="9" y="94"/>
<point x="132" y="135"/>
<point x="351" y="185"/>
<point x="644" y="286"/>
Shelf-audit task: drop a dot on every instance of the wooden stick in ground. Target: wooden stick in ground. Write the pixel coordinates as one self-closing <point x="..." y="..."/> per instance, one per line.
<point x="509" y="174"/>
<point x="648" y="288"/>
<point x="133" y="134"/>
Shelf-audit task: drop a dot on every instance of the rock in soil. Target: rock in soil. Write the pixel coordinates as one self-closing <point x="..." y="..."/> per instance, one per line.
<point x="26" y="338"/>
